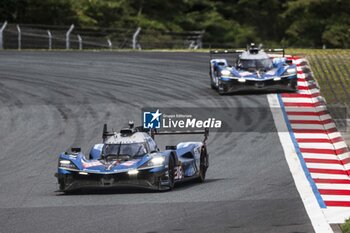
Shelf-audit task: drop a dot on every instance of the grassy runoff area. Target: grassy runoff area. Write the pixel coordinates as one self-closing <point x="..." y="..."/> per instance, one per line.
<point x="331" y="69"/>
<point x="346" y="226"/>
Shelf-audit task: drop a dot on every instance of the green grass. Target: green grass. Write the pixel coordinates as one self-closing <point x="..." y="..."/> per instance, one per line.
<point x="346" y="226"/>
<point x="331" y="68"/>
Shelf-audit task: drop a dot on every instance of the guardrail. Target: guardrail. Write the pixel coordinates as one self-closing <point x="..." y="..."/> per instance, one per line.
<point x="27" y="36"/>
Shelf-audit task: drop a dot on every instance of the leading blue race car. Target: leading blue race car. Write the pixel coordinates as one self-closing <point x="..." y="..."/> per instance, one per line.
<point x="131" y="158"/>
<point x="253" y="70"/>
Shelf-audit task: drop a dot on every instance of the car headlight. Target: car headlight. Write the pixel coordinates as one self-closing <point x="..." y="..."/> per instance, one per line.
<point x="156" y="161"/>
<point x="133" y="172"/>
<point x="242" y="80"/>
<point x="226" y="73"/>
<point x="67" y="164"/>
<point x="291" y="71"/>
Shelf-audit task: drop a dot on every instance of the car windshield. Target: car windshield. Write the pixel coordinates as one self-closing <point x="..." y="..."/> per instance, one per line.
<point x="132" y="149"/>
<point x="256" y="63"/>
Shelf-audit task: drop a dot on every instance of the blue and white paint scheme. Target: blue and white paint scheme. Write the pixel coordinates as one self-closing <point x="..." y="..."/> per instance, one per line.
<point x="253" y="69"/>
<point x="131" y="157"/>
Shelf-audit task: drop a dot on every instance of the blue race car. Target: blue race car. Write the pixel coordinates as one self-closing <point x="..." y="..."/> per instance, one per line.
<point x="253" y="70"/>
<point x="131" y="158"/>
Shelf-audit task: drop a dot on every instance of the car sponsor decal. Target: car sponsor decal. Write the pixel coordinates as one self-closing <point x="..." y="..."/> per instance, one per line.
<point x="178" y="173"/>
<point x="130" y="163"/>
<point x="91" y="164"/>
<point x="109" y="167"/>
<point x="245" y="73"/>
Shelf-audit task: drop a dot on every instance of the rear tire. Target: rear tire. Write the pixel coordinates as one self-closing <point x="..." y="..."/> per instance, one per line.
<point x="204" y="164"/>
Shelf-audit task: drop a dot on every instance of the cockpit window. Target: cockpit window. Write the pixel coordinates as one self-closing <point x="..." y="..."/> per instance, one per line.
<point x="131" y="150"/>
<point x="256" y="64"/>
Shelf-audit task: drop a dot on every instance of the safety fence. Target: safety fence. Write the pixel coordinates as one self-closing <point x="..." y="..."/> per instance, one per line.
<point x="26" y="36"/>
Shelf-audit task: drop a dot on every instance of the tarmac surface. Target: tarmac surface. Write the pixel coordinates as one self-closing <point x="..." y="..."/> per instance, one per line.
<point x="51" y="101"/>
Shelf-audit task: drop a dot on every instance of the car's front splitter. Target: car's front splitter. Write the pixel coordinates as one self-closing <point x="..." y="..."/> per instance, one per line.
<point x="233" y="85"/>
<point x="144" y="179"/>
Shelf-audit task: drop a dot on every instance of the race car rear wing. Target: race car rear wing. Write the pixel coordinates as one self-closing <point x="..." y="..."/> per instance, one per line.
<point x="226" y="51"/>
<point x="151" y="132"/>
<point x="205" y="132"/>
<point x="236" y="52"/>
<point x="275" y="51"/>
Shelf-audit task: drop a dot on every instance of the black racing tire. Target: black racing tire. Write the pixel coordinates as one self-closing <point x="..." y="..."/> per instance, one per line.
<point x="221" y="89"/>
<point x="62" y="185"/>
<point x="203" y="165"/>
<point x="294" y="84"/>
<point x="212" y="84"/>
<point x="171" y="172"/>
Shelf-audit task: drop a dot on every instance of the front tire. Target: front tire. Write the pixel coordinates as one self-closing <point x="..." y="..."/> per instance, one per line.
<point x="294" y="84"/>
<point x="212" y="83"/>
<point x="221" y="89"/>
<point x="171" y="172"/>
<point x="169" y="176"/>
<point x="62" y="185"/>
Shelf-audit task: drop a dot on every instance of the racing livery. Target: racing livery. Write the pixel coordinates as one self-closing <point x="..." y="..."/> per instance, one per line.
<point x="253" y="69"/>
<point x="131" y="158"/>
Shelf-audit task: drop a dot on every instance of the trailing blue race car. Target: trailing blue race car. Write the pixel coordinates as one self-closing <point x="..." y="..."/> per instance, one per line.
<point x="252" y="70"/>
<point x="132" y="158"/>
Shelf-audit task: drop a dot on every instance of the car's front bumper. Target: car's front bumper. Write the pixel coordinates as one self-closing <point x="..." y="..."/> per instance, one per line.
<point x="144" y="179"/>
<point x="233" y="85"/>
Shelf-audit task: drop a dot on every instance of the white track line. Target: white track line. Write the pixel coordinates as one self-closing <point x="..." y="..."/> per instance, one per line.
<point x="329" y="176"/>
<point x="318" y="156"/>
<point x="301" y="117"/>
<point x="326" y="166"/>
<point x="334" y="186"/>
<point x="305" y="109"/>
<point x="336" y="197"/>
<point x="299" y="100"/>
<point x="311" y="135"/>
<point x="316" y="215"/>
<point x="343" y="156"/>
<point x="307" y="126"/>
<point x="322" y="145"/>
<point x="340" y="145"/>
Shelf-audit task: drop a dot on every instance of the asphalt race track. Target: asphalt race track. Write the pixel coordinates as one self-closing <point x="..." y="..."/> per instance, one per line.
<point x="50" y="101"/>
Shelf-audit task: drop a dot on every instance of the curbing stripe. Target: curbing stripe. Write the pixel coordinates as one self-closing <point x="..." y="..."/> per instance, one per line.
<point x="302" y="181"/>
<point x="334" y="192"/>
<point x="328" y="171"/>
<point x="324" y="161"/>
<point x="301" y="159"/>
<point x="338" y="203"/>
<point x="329" y="176"/>
<point x="333" y="181"/>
